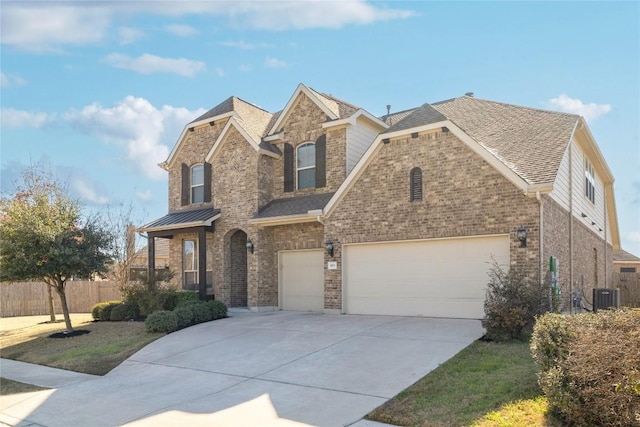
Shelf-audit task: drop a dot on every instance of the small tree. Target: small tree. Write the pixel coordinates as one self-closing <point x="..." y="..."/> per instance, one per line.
<point x="42" y="238"/>
<point x="512" y="303"/>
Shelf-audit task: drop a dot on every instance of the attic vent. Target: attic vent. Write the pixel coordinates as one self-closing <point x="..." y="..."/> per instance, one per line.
<point x="469" y="94"/>
<point x="605" y="298"/>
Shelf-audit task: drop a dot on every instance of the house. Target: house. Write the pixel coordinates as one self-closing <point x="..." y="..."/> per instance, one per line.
<point x="140" y="261"/>
<point x="626" y="277"/>
<point x="325" y="207"/>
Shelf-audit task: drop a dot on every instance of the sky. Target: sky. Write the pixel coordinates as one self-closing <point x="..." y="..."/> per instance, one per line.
<point x="97" y="92"/>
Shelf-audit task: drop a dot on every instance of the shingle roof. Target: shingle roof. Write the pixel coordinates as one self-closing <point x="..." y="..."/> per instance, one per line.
<point x="529" y="141"/>
<point x="423" y="115"/>
<point x="394" y="118"/>
<point x="623" y="255"/>
<point x="233" y="103"/>
<point x="294" y="205"/>
<point x="176" y="219"/>
<point x="345" y="109"/>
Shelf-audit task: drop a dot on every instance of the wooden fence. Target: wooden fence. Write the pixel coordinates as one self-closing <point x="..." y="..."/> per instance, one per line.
<point x="31" y="298"/>
<point x="629" y="285"/>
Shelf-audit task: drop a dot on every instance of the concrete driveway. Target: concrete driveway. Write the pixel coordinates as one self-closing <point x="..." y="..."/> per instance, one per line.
<point x="279" y="368"/>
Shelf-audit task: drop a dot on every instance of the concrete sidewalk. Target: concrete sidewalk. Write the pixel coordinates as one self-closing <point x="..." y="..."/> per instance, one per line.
<point x="279" y="369"/>
<point x="39" y="375"/>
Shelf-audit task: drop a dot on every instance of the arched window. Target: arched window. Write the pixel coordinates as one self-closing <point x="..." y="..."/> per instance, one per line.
<point x="306" y="165"/>
<point x="197" y="183"/>
<point x="415" y="184"/>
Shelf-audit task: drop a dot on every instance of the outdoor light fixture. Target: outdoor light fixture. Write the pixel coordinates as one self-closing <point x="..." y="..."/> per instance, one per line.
<point x="328" y="245"/>
<point x="583" y="215"/>
<point x="249" y="245"/>
<point x="521" y="234"/>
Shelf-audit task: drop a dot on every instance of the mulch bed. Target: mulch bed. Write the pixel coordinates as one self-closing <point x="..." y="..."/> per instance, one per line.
<point x="71" y="334"/>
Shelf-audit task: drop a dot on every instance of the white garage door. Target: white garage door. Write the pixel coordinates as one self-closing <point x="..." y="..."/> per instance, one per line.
<point x="435" y="278"/>
<point x="302" y="280"/>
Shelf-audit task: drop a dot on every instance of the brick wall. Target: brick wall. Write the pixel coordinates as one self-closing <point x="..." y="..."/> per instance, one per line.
<point x="194" y="148"/>
<point x="304" y="124"/>
<point x="462" y="196"/>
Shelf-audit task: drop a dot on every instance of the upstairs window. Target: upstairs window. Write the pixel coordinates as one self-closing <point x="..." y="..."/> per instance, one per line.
<point x="306" y="165"/>
<point x="415" y="185"/>
<point x="197" y="183"/>
<point x="589" y="182"/>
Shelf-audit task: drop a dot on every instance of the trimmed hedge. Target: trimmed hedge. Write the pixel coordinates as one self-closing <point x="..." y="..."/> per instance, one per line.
<point x="125" y="311"/>
<point x="218" y="309"/>
<point x="184" y="315"/>
<point x="161" y="321"/>
<point x="98" y="311"/>
<point x="201" y="312"/>
<point x="589" y="366"/>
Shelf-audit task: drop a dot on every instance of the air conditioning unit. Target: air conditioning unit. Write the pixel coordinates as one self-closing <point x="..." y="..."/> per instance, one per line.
<point x="604" y="298"/>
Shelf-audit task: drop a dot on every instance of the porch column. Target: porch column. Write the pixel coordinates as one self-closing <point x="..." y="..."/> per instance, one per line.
<point x="202" y="263"/>
<point x="151" y="256"/>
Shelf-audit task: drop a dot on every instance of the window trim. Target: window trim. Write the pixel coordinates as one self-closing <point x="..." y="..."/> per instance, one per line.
<point x="298" y="169"/>
<point x="415" y="179"/>
<point x="589" y="181"/>
<point x="192" y="186"/>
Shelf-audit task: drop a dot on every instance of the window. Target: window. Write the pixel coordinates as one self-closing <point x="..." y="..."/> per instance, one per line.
<point x="197" y="183"/>
<point x="415" y="186"/>
<point x="589" y="182"/>
<point x="628" y="269"/>
<point x="306" y="165"/>
<point x="190" y="264"/>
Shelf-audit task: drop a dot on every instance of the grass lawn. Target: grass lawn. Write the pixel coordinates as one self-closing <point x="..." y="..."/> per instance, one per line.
<point x="98" y="352"/>
<point x="14" y="387"/>
<point x="487" y="384"/>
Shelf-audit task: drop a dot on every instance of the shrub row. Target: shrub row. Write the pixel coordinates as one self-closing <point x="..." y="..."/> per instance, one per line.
<point x="102" y="310"/>
<point x="140" y="303"/>
<point x="184" y="315"/>
<point x="589" y="366"/>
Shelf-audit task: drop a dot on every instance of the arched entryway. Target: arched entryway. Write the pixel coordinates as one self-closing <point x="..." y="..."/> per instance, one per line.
<point x="238" y="273"/>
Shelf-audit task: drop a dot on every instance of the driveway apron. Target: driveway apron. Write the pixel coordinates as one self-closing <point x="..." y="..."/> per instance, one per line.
<point x="278" y="368"/>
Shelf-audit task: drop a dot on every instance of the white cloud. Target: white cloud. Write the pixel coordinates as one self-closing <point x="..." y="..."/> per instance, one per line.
<point x="88" y="193"/>
<point x="143" y="131"/>
<point x="144" y="196"/>
<point x="274" y="63"/>
<point x="589" y="111"/>
<point x="220" y="72"/>
<point x="241" y="44"/>
<point x="181" y="30"/>
<point x="151" y="64"/>
<point x="12" y="118"/>
<point x="245" y="68"/>
<point x="44" y="27"/>
<point x="48" y="26"/>
<point x="7" y="81"/>
<point x="128" y="35"/>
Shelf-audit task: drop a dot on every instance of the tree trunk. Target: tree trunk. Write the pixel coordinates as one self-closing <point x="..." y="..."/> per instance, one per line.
<point x="52" y="312"/>
<point x="63" y="302"/>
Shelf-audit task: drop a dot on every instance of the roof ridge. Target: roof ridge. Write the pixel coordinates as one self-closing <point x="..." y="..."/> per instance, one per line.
<point x="506" y="104"/>
<point x="251" y="104"/>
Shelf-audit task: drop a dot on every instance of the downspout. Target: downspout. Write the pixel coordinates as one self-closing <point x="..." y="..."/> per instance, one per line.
<point x="606" y="259"/>
<point x="541" y="241"/>
<point x="571" y="225"/>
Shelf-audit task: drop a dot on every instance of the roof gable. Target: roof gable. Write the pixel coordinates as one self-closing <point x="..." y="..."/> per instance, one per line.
<point x="252" y="138"/>
<point x="329" y="107"/>
<point x="255" y="122"/>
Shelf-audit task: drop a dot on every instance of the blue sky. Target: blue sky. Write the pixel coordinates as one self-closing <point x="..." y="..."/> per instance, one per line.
<point x="99" y="91"/>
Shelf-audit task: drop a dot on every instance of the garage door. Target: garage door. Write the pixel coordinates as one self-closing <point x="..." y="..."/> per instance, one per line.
<point x="302" y="280"/>
<point x="436" y="278"/>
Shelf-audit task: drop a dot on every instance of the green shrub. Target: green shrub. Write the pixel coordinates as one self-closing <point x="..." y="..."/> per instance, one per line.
<point x="177" y="298"/>
<point x="218" y="309"/>
<point x="201" y="312"/>
<point x="184" y="315"/>
<point x="124" y="311"/>
<point x="105" y="313"/>
<point x="96" y="310"/>
<point x="161" y="321"/>
<point x="589" y="366"/>
<point x="512" y="303"/>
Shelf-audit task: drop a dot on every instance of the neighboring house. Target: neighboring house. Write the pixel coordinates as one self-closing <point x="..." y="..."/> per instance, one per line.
<point x="140" y="261"/>
<point x="324" y="207"/>
<point x="626" y="277"/>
